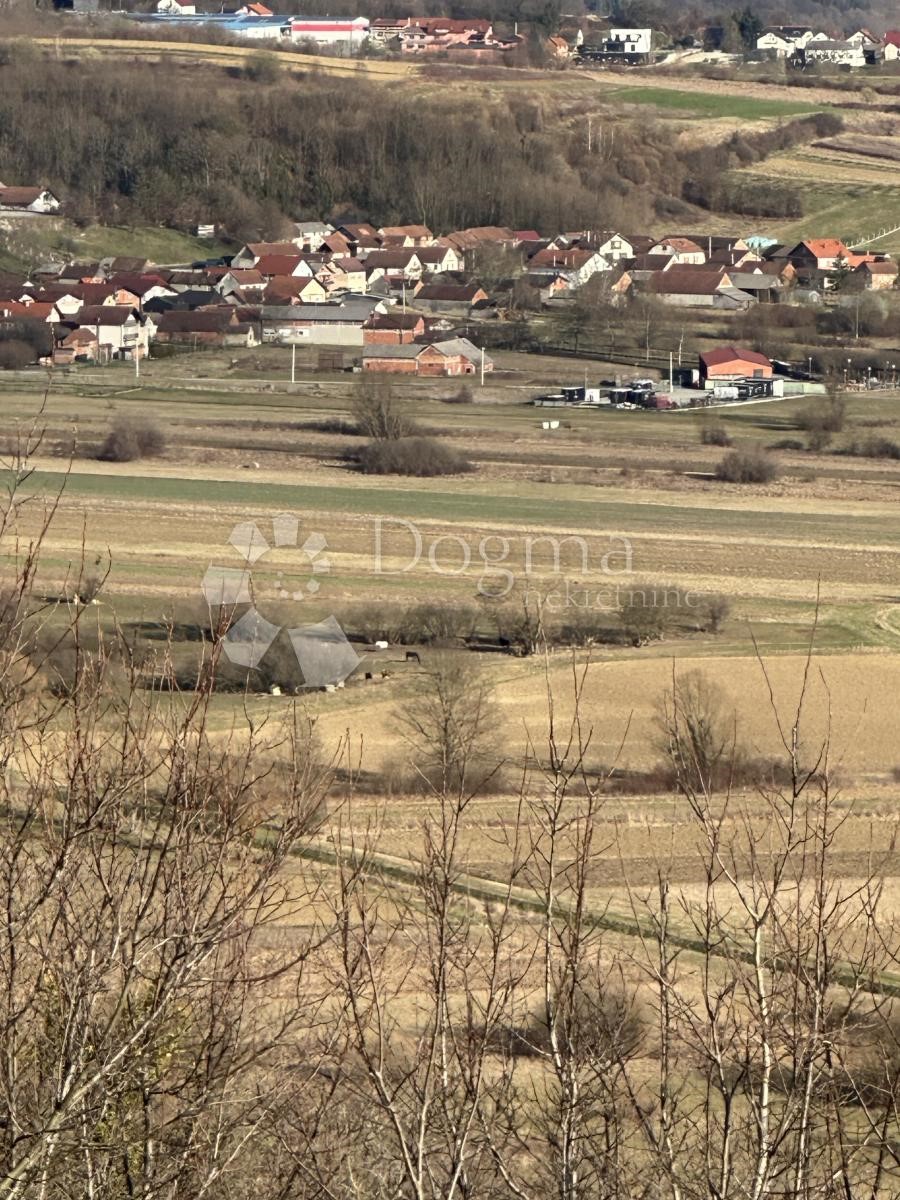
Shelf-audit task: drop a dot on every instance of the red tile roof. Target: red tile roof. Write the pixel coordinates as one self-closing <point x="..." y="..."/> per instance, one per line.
<point x="727" y="354"/>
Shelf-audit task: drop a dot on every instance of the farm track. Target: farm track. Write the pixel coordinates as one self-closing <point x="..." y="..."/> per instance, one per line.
<point x="226" y="56"/>
<point x="630" y="925"/>
<point x="565" y="84"/>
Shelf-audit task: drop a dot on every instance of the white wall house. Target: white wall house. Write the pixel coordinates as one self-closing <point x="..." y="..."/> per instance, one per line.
<point x="786" y="40"/>
<point x="633" y="41"/>
<point x="27" y="199"/>
<point x="843" y="54"/>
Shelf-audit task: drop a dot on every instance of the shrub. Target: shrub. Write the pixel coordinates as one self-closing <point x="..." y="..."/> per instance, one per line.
<point x="463" y="395"/>
<point x="714" y="613"/>
<point x="417" y="456"/>
<point x="830" y="419"/>
<point x="715" y="435"/>
<point x="751" y="465"/>
<point x="874" y="447"/>
<point x="131" y="438"/>
<point x="439" y="624"/>
<point x="787" y="444"/>
<point x="376" y="412"/>
<point x="263" y="68"/>
<point x="15" y="354"/>
<point x="648" y="613"/>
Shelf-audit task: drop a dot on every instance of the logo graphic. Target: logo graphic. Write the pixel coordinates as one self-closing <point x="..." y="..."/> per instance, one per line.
<point x="323" y="652"/>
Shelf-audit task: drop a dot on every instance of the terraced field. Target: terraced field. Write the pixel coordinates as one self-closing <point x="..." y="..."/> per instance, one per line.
<point x="847" y="195"/>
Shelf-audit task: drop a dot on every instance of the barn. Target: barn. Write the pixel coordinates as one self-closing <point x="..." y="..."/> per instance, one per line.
<point x="731" y="362"/>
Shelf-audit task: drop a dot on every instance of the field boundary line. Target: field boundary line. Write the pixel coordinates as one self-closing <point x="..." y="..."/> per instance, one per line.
<point x="479" y="887"/>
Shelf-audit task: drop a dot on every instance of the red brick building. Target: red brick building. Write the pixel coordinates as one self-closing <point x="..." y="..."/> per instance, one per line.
<point x="456" y="356"/>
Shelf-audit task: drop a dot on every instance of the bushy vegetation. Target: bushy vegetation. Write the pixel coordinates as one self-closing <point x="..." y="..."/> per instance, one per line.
<point x="178" y="150"/>
<point x="15" y="354"/>
<point x="131" y="438"/>
<point x="873" y="447"/>
<point x="709" y="186"/>
<point x="418" y="456"/>
<point x="714" y="434"/>
<point x="747" y="465"/>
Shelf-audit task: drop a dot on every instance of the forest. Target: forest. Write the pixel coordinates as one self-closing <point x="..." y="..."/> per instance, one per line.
<point x="134" y="146"/>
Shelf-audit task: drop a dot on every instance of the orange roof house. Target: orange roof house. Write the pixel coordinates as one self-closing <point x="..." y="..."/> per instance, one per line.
<point x="732" y="362"/>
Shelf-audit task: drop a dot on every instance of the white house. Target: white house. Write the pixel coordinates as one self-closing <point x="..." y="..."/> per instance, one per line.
<point x="27" y="199"/>
<point x="309" y="235"/>
<point x="607" y="242"/>
<point x="630" y="41"/>
<point x="786" y="40"/>
<point x="842" y="54"/>
<point x="174" y="8"/>
<point x="891" y="45"/>
<point x="865" y="39"/>
<point x="116" y="326"/>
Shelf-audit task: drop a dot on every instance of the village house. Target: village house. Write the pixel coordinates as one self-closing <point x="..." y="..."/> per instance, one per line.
<point x="822" y="255"/>
<point x="119" y="329"/>
<point x="288" y="289"/>
<point x="876" y="276"/>
<point x="342" y="275"/>
<point x="244" y="280"/>
<point x="32" y="311"/>
<point x="440" y="260"/>
<point x="612" y="246"/>
<point x="28" y="200"/>
<point x="839" y="53"/>
<point x="578" y="266"/>
<point x="143" y="287"/>
<point x="729" y="363"/>
<point x="785" y="40"/>
<point x="431" y="35"/>
<point x="309" y="235"/>
<point x="401" y="236"/>
<point x="249" y="255"/>
<point x="81" y="345"/>
<point x="386" y="29"/>
<point x="205" y="327"/>
<point x="339" y="324"/>
<point x="456" y="356"/>
<point x="393" y="328"/>
<point x="466" y="240"/>
<point x="890" y="45"/>
<point x="404" y="265"/>
<point x="449" y="297"/>
<point x="679" y="250"/>
<point x="697" y="289"/>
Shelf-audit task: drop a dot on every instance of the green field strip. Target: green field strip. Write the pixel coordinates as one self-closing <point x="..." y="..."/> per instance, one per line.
<point x="518" y="511"/>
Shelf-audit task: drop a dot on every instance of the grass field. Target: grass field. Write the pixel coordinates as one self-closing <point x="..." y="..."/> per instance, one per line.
<point x="613" y="480"/>
<point x="25" y="241"/>
<point x="712" y="105"/>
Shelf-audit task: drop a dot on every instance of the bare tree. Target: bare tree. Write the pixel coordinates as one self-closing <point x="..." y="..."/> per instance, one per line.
<point x="142" y="872"/>
<point x="376" y="411"/>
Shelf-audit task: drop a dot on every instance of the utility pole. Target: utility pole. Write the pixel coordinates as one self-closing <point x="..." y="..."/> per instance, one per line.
<point x="482" y="366"/>
<point x="293" y="362"/>
<point x="590" y="131"/>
